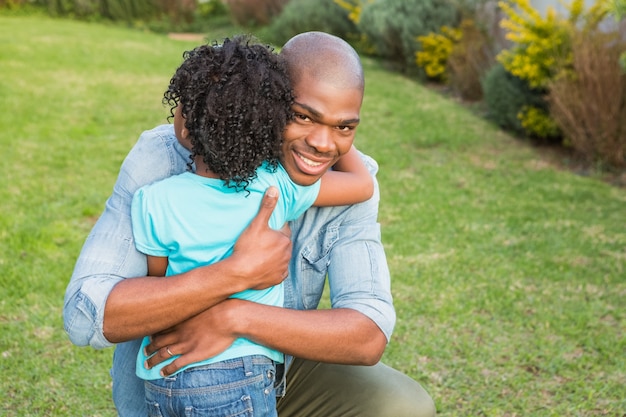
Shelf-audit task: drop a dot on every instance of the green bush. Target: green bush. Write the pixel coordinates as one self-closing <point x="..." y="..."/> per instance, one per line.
<point x="305" y="15"/>
<point x="211" y="9"/>
<point x="156" y="15"/>
<point x="507" y="96"/>
<point x="392" y="26"/>
<point x="254" y="12"/>
<point x="124" y="10"/>
<point x="190" y="16"/>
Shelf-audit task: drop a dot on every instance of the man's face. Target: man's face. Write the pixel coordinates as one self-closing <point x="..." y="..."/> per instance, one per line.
<point x="325" y="122"/>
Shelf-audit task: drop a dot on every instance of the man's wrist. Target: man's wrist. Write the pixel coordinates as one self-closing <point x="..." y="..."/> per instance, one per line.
<point x="232" y="273"/>
<point x="234" y="316"/>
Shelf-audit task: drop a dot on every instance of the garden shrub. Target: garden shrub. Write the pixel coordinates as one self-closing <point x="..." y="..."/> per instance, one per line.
<point x="11" y="4"/>
<point x="507" y="96"/>
<point x="461" y="56"/>
<point x="542" y="52"/>
<point x="189" y="16"/>
<point x="358" y="39"/>
<point x="75" y="8"/>
<point x="435" y="52"/>
<point x="617" y="8"/>
<point x="590" y="105"/>
<point x="179" y="10"/>
<point x="122" y="10"/>
<point x="211" y="8"/>
<point x="538" y="123"/>
<point x="392" y="26"/>
<point x="469" y="61"/>
<point x="305" y="15"/>
<point x="155" y="15"/>
<point x="542" y="46"/>
<point x="353" y="7"/>
<point x="255" y="12"/>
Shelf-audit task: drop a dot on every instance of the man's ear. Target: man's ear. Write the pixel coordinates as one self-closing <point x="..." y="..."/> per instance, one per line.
<point x="184" y="138"/>
<point x="184" y="133"/>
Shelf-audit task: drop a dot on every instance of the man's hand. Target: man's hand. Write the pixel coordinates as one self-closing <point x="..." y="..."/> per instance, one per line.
<point x="261" y="253"/>
<point x="199" y="338"/>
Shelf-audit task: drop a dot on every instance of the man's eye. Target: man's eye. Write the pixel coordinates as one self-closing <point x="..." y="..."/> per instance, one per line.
<point x="345" y="129"/>
<point x="302" y="117"/>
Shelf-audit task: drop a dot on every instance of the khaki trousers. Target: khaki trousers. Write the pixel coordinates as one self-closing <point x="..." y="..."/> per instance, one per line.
<point x="316" y="389"/>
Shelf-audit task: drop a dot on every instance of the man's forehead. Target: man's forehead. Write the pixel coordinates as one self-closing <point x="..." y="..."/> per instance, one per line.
<point x="341" y="79"/>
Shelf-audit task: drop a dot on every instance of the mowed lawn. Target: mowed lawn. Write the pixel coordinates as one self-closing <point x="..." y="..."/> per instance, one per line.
<point x="508" y="272"/>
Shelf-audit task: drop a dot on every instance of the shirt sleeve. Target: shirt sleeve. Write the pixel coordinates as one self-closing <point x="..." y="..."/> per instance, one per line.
<point x="144" y="224"/>
<point x="358" y="273"/>
<point x="108" y="255"/>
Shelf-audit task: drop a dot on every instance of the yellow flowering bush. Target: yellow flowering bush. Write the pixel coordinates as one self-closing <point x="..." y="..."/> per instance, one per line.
<point x="436" y="49"/>
<point x="542" y="48"/>
<point x="539" y="43"/>
<point x="354" y="8"/>
<point x="538" y="123"/>
<point x="542" y="51"/>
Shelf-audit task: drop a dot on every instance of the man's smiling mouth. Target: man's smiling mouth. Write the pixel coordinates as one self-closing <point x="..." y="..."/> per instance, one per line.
<point x="309" y="162"/>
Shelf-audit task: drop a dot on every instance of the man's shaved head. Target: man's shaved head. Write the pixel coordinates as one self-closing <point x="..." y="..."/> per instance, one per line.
<point x="324" y="57"/>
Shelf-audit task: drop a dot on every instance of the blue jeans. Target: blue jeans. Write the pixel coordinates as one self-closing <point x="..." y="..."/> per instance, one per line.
<point x="242" y="387"/>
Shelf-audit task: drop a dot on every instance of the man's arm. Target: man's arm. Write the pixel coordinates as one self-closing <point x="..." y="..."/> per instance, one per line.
<point x="146" y="305"/>
<point x="349" y="182"/>
<point x="336" y="336"/>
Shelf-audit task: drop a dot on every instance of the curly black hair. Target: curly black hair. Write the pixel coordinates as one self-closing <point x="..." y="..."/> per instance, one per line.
<point x="236" y="99"/>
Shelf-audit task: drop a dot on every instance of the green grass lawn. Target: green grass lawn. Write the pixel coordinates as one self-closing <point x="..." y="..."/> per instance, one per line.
<point x="509" y="274"/>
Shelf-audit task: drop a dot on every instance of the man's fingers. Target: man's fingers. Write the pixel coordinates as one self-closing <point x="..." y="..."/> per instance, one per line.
<point x="267" y="207"/>
<point x="161" y="355"/>
<point x="179" y="363"/>
<point x="159" y="341"/>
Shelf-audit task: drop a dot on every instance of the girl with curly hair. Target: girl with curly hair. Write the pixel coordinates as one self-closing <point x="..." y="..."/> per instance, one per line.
<point x="231" y="105"/>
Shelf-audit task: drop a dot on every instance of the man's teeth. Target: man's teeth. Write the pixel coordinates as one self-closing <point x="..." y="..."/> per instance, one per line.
<point x="309" y="162"/>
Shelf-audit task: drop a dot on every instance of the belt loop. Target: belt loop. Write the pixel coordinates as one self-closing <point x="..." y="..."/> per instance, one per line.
<point x="248" y="370"/>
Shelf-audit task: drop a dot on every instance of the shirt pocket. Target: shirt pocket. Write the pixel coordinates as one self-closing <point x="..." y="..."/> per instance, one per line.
<point x="313" y="265"/>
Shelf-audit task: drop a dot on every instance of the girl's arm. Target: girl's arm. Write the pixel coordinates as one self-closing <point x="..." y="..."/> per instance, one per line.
<point x="157" y="266"/>
<point x="349" y="182"/>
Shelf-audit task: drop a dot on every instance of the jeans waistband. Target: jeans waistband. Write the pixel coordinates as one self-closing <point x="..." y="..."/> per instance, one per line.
<point x="245" y="362"/>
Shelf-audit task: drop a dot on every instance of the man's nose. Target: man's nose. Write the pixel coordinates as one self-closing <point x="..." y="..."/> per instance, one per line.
<point x="321" y="138"/>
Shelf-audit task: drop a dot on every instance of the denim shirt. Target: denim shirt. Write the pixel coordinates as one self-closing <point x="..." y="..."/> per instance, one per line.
<point x="340" y="242"/>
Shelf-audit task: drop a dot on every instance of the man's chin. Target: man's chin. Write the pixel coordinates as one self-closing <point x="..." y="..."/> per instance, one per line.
<point x="304" y="180"/>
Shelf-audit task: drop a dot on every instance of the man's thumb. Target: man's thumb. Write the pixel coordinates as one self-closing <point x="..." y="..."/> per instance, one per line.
<point x="267" y="205"/>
